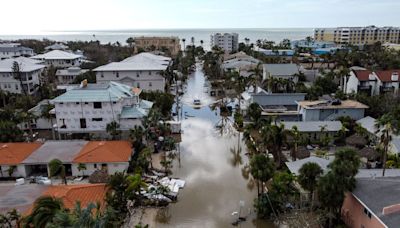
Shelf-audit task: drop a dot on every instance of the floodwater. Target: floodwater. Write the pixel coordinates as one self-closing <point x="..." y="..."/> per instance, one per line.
<point x="213" y="168"/>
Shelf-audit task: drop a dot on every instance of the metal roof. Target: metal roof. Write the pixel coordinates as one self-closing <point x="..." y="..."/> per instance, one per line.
<point x="57" y="54"/>
<point x="281" y="69"/>
<point x="25" y="64"/>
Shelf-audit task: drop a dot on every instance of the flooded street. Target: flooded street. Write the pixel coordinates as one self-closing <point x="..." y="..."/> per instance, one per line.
<point x="213" y="168"/>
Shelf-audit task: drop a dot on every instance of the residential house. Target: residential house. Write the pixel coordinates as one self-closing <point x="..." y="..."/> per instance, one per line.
<point x="362" y="81"/>
<point x="12" y="155"/>
<point x="315" y="130"/>
<point x="36" y="164"/>
<point x="228" y="42"/>
<point x="284" y="71"/>
<point x="281" y="106"/>
<point x="59" y="59"/>
<point x="13" y="50"/>
<point x="30" y="71"/>
<point x="323" y="110"/>
<point x="110" y="156"/>
<point x="145" y="43"/>
<point x="90" y="107"/>
<point x="281" y="53"/>
<point x="295" y="166"/>
<point x="373" y="203"/>
<point x="389" y="81"/>
<point x="41" y="122"/>
<point x="67" y="76"/>
<point x="144" y="70"/>
<point x="57" y="46"/>
<point x="241" y="63"/>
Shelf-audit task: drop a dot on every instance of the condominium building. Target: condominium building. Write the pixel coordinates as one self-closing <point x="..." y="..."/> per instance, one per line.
<point x="226" y="41"/>
<point x="358" y="35"/>
<point x="30" y="71"/>
<point x="90" y="107"/>
<point x="145" y="43"/>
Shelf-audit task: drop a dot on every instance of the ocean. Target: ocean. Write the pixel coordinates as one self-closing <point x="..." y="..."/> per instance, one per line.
<point x="112" y="36"/>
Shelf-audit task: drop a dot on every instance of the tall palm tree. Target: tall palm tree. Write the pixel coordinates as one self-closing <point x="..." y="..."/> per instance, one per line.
<point x="136" y="134"/>
<point x="257" y="75"/>
<point x="184" y="47"/>
<point x="308" y="178"/>
<point x="386" y="136"/>
<point x="44" y="210"/>
<point x="275" y="137"/>
<point x="17" y="74"/>
<point x="201" y="43"/>
<point x="295" y="133"/>
<point x="262" y="169"/>
<point x="57" y="169"/>
<point x="135" y="184"/>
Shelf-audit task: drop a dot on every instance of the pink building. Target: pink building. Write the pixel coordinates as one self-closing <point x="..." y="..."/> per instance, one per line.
<point x="374" y="203"/>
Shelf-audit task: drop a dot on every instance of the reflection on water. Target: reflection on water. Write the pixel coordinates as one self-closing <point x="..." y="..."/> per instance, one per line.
<point x="215" y="169"/>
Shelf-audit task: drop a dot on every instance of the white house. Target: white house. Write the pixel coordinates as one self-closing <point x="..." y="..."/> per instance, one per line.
<point x="372" y="83"/>
<point x="30" y="71"/>
<point x="240" y="62"/>
<point x="323" y="110"/>
<point x="110" y="156"/>
<point x="288" y="71"/>
<point x="12" y="50"/>
<point x="57" y="46"/>
<point x="40" y="123"/>
<point x="12" y="155"/>
<point x="67" y="76"/>
<point x="143" y="71"/>
<point x="59" y="59"/>
<point x="90" y="107"/>
<point x="226" y="41"/>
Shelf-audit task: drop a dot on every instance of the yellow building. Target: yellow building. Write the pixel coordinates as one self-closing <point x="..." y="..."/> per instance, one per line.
<point x="164" y="44"/>
<point x="358" y="35"/>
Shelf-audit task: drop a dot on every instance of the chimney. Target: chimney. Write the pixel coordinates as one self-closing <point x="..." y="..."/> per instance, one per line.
<point x="395" y="76"/>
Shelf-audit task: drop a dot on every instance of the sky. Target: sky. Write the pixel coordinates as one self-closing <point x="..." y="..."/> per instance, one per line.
<point x="19" y="17"/>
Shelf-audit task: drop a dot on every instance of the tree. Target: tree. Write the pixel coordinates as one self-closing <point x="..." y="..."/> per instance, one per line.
<point x="257" y="75"/>
<point x="135" y="184"/>
<point x="136" y="136"/>
<point x="44" y="210"/>
<point x="254" y="112"/>
<point x="10" y="219"/>
<point x="11" y="170"/>
<point x="57" y="169"/>
<point x="262" y="169"/>
<point x="112" y="128"/>
<point x="275" y="136"/>
<point x="296" y="139"/>
<point x="308" y="177"/>
<point x="130" y="41"/>
<point x="82" y="167"/>
<point x="117" y="196"/>
<point x="17" y="74"/>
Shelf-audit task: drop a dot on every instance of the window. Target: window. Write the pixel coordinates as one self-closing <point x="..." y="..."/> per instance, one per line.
<point x="138" y="85"/>
<point x="95" y="166"/>
<point x="117" y="75"/>
<point x="82" y="122"/>
<point x="149" y="72"/>
<point x="97" y="119"/>
<point x="77" y="103"/>
<point x="97" y="105"/>
<point x="86" y="102"/>
<point x="150" y="84"/>
<point x="102" y="75"/>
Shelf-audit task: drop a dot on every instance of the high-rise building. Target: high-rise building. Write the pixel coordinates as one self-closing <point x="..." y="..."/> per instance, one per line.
<point x="226" y="41"/>
<point x="358" y="35"/>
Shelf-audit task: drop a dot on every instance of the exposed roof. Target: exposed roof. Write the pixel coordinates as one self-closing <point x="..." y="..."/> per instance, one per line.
<point x="323" y="104"/>
<point x="363" y="75"/>
<point x="378" y="193"/>
<point x="85" y="194"/>
<point x="15" y="153"/>
<point x="141" y="61"/>
<point x="112" y="91"/>
<point x="104" y="151"/>
<point x="57" y="54"/>
<point x="386" y="75"/>
<point x="281" y="69"/>
<point x="25" y="64"/>
<point x="295" y="166"/>
<point x="314" y="126"/>
<point x="64" y="150"/>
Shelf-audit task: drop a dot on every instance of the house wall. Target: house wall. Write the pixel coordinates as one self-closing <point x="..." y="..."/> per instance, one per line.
<point x="126" y="124"/>
<point x="353" y="214"/>
<point x="18" y="172"/>
<point x="330" y="114"/>
<point x="146" y="80"/>
<point x="63" y="63"/>
<point x="112" y="168"/>
<point x="11" y="54"/>
<point x="10" y="84"/>
<point x="352" y="84"/>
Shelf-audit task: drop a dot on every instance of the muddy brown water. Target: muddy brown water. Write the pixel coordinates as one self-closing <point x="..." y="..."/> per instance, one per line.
<point x="213" y="168"/>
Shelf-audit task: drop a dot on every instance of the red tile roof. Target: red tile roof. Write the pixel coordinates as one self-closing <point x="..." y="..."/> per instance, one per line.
<point x="84" y="193"/>
<point x="104" y="151"/>
<point x="386" y="75"/>
<point x="362" y="75"/>
<point x="15" y="153"/>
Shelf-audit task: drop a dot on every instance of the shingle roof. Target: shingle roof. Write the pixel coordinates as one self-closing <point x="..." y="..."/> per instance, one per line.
<point x="104" y="151"/>
<point x="378" y="193"/>
<point x="386" y="75"/>
<point x="113" y="91"/>
<point x="84" y="193"/>
<point x="15" y="153"/>
<point x="362" y="75"/>
<point x="281" y="69"/>
<point x="314" y="126"/>
<point x="142" y="61"/>
<point x="64" y="150"/>
<point x="295" y="166"/>
<point x="57" y="54"/>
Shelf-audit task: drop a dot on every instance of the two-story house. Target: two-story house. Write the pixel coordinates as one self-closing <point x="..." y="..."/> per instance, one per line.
<point x="287" y="71"/>
<point x="90" y="107"/>
<point x="388" y="81"/>
<point x="144" y="70"/>
<point x="59" y="59"/>
<point x="12" y="50"/>
<point x="28" y="70"/>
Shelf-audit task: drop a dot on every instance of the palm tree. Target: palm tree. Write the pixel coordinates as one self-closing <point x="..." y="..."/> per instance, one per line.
<point x="136" y="135"/>
<point x="386" y="136"/>
<point x="296" y="138"/>
<point x="135" y="184"/>
<point x="257" y="75"/>
<point x="275" y="137"/>
<point x="308" y="178"/>
<point x="57" y="169"/>
<point x="11" y="170"/>
<point x="44" y="210"/>
<point x="262" y="169"/>
<point x="113" y="129"/>
<point x="17" y="74"/>
<point x="183" y="41"/>
<point x="201" y="43"/>
<point x="247" y="41"/>
<point x="28" y="118"/>
<point x="82" y="167"/>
